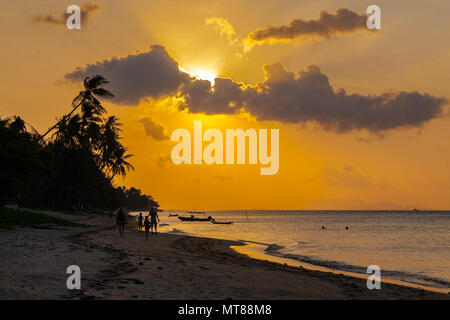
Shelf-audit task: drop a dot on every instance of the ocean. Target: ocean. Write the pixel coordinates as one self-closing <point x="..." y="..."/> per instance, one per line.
<point x="411" y="247"/>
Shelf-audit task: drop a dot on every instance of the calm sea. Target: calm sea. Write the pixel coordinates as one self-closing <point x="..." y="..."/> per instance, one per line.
<point x="413" y="247"/>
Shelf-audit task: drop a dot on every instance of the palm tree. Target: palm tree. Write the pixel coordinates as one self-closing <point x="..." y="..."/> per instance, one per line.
<point x="110" y="132"/>
<point x="90" y="105"/>
<point x="69" y="131"/>
<point x="120" y="165"/>
<point x="17" y="124"/>
<point x="111" y="127"/>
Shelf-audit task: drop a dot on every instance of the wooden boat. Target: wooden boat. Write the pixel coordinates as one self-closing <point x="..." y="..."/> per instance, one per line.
<point x="195" y="219"/>
<point x="217" y="222"/>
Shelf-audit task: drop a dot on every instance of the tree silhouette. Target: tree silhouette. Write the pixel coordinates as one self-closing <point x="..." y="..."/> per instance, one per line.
<point x="17" y="124"/>
<point x="90" y="105"/>
<point x="75" y="169"/>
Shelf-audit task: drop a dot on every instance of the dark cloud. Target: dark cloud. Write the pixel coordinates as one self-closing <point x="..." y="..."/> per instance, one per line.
<point x="309" y="97"/>
<point x="135" y="77"/>
<point x="154" y="129"/>
<point x="86" y="11"/>
<point x="328" y="24"/>
<point x="283" y="96"/>
<point x="201" y="97"/>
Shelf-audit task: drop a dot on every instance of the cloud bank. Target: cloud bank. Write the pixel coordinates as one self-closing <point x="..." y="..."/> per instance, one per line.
<point x="86" y="11"/>
<point x="282" y="96"/>
<point x="151" y="74"/>
<point x="327" y="25"/>
<point x="310" y="97"/>
<point x="343" y="21"/>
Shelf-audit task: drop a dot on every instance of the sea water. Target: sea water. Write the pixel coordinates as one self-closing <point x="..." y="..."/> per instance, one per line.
<point x="412" y="247"/>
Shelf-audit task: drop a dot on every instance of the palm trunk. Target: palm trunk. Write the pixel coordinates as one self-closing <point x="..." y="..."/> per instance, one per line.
<point x="64" y="118"/>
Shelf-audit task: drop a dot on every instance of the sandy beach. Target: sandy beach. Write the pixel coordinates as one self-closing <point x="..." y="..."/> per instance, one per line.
<point x="167" y="266"/>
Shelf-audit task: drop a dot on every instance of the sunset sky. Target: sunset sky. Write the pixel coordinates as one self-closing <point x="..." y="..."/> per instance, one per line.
<point x="383" y="143"/>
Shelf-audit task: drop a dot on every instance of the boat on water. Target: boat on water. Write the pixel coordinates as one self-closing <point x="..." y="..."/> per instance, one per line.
<point x="173" y="215"/>
<point x="192" y="218"/>
<point x="218" y="222"/>
<point x="415" y="210"/>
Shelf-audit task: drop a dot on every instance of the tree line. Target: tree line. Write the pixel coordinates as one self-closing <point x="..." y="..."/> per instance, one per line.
<point x="73" y="164"/>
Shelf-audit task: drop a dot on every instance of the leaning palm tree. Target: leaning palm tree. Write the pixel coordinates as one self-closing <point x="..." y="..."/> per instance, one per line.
<point x="90" y="105"/>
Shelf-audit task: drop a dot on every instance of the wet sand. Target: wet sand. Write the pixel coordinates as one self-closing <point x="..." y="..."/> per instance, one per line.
<point x="167" y="266"/>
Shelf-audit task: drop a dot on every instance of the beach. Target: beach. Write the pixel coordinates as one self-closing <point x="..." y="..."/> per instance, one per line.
<point x="167" y="266"/>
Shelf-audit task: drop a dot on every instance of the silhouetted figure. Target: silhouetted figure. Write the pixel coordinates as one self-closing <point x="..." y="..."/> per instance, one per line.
<point x="323" y="228"/>
<point x="147" y="227"/>
<point x="121" y="220"/>
<point x="153" y="217"/>
<point x="346" y="227"/>
<point x="139" y="221"/>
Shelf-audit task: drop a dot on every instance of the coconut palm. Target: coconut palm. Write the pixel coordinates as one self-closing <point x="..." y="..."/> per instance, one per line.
<point x="90" y="105"/>
<point x="120" y="165"/>
<point x="110" y="131"/>
<point x="69" y="131"/>
<point x="16" y="123"/>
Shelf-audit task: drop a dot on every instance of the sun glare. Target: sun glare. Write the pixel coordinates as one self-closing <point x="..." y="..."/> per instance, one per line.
<point x="201" y="74"/>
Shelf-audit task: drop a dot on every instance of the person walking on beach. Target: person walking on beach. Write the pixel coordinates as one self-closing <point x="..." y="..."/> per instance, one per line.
<point x="153" y="217"/>
<point x="121" y="220"/>
<point x="139" y="219"/>
<point x="147" y="227"/>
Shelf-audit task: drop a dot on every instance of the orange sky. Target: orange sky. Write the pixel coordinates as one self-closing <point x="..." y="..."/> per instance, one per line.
<point x="319" y="168"/>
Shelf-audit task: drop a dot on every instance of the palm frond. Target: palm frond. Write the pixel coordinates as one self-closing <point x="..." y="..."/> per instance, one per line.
<point x="103" y="93"/>
<point x="96" y="82"/>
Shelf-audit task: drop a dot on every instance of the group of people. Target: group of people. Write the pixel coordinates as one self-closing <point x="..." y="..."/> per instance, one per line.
<point x="150" y="221"/>
<point x="148" y="224"/>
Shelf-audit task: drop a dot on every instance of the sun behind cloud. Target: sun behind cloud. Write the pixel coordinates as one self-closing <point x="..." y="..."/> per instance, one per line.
<point x="201" y="74"/>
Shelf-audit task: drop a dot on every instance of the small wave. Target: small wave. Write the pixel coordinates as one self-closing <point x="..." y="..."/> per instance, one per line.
<point x="177" y="231"/>
<point x="273" y="248"/>
<point x="255" y="242"/>
<point x="276" y="250"/>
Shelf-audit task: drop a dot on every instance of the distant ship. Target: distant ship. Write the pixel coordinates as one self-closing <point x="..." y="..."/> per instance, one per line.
<point x="415" y="210"/>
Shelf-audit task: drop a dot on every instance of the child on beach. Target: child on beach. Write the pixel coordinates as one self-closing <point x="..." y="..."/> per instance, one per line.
<point x="147" y="227"/>
<point x="139" y="219"/>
